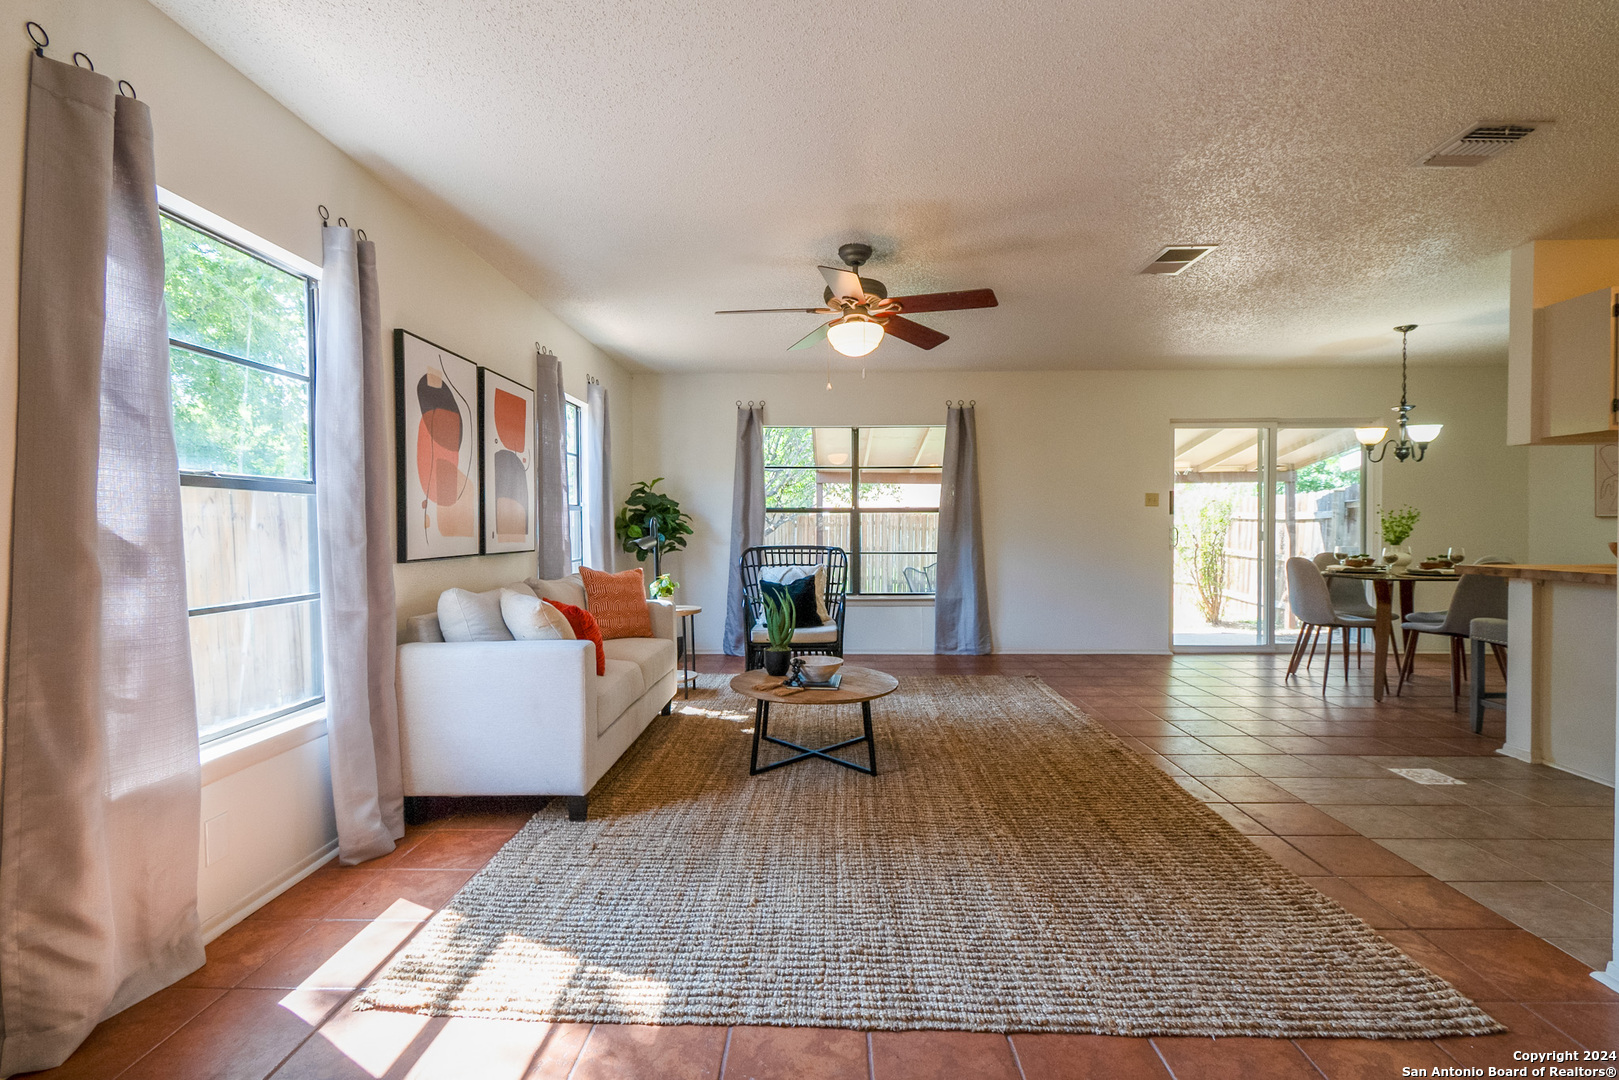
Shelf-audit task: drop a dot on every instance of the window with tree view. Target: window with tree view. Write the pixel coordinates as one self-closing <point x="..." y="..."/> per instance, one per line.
<point x="241" y="369"/>
<point x="873" y="491"/>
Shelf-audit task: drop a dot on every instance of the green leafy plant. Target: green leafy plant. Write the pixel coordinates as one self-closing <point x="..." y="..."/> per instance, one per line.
<point x="663" y="586"/>
<point x="648" y="512"/>
<point x="1202" y="549"/>
<point x="780" y="621"/>
<point x="1396" y="525"/>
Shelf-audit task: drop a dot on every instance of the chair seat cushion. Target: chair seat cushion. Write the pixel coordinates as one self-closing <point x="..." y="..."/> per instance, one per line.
<point x="813" y="635"/>
<point x="616" y="691"/>
<point x="1493" y="631"/>
<point x="654" y="656"/>
<point x="1355" y="621"/>
<point x="1427" y="616"/>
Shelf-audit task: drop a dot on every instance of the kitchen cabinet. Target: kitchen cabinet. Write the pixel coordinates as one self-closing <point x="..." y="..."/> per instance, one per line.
<point x="1574" y="354"/>
<point x="1560" y="343"/>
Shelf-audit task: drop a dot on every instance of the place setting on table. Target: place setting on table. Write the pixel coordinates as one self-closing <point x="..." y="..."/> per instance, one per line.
<point x="1394" y="565"/>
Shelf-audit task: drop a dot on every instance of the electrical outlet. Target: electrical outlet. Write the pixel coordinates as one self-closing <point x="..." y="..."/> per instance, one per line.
<point x="215" y="839"/>
<point x="1152" y="498"/>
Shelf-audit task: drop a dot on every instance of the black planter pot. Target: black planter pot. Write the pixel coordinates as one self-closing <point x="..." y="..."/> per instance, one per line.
<point x="776" y="663"/>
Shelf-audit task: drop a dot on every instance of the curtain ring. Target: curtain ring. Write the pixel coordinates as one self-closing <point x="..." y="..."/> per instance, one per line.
<point x="39" y="46"/>
<point x="342" y="223"/>
<point x="360" y="233"/>
<point x="87" y="60"/>
<point x="122" y="83"/>
<point x="325" y="216"/>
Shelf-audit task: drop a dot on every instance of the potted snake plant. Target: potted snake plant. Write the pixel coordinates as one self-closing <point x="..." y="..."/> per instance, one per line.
<point x="780" y="622"/>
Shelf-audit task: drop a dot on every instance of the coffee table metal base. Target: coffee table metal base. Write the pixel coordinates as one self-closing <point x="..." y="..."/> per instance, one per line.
<point x="761" y="732"/>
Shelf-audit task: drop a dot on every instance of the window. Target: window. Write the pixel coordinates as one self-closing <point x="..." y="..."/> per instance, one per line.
<point x="873" y="491"/>
<point x="241" y="377"/>
<point x="576" y="513"/>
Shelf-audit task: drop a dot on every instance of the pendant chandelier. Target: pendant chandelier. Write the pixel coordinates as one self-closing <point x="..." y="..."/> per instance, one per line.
<point x="1414" y="438"/>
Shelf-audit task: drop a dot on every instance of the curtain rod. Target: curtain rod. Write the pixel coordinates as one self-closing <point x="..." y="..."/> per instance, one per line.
<point x="751" y="405"/>
<point x="39" y="50"/>
<point x="342" y="223"/>
<point x="959" y="404"/>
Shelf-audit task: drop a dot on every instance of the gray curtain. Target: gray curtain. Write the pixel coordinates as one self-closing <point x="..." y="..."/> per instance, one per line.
<point x="747" y="517"/>
<point x="961" y="603"/>
<point x="550" y="460"/>
<point x="352" y="480"/>
<point x="99" y="794"/>
<point x="598" y="480"/>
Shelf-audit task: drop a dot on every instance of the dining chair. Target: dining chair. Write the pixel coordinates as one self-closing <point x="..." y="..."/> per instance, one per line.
<point x="1349" y="598"/>
<point x="1311" y="603"/>
<point x="1477" y="596"/>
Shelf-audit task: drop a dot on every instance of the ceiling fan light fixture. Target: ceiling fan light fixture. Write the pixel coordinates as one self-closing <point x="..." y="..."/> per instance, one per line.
<point x="855" y="335"/>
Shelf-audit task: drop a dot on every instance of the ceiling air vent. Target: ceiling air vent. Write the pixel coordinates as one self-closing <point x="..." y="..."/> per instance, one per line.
<point x="1172" y="260"/>
<point x="1478" y="144"/>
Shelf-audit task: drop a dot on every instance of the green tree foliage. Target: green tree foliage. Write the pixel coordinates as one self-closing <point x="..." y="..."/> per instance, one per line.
<point x="1333" y="474"/>
<point x="228" y="417"/>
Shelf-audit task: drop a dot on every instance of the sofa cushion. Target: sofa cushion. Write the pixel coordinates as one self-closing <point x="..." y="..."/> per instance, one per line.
<point x="814" y="635"/>
<point x="564" y="590"/>
<point x="616" y="691"/>
<point x="470" y="616"/>
<point x="654" y="656"/>
<point x="423" y="628"/>
<point x="584" y="629"/>
<point x="531" y="619"/>
<point x="619" y="602"/>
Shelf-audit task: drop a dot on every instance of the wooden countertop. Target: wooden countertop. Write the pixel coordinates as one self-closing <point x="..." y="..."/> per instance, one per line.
<point x="1601" y="574"/>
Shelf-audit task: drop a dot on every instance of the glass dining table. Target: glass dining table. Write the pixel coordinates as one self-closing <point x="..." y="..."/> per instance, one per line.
<point x="1383" y="580"/>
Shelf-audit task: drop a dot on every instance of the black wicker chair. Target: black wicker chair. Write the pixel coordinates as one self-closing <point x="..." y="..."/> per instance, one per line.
<point x="757" y="560"/>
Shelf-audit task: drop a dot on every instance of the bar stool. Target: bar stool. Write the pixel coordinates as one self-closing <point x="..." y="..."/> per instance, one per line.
<point x="1492" y="632"/>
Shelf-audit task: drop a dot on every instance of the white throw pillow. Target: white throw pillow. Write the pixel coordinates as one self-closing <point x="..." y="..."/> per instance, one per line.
<point x="531" y="619"/>
<point x="564" y="590"/>
<point x="786" y="575"/>
<point x="470" y="616"/>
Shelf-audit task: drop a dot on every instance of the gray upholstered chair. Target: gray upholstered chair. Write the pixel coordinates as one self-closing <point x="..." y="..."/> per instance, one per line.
<point x="1491" y="632"/>
<point x="1477" y="596"/>
<point x="1312" y="606"/>
<point x="1349" y="598"/>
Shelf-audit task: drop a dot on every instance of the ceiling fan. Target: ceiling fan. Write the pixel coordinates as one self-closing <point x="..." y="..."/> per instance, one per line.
<point x="865" y="311"/>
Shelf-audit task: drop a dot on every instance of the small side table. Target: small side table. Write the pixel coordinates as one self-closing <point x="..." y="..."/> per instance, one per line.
<point x="687" y="614"/>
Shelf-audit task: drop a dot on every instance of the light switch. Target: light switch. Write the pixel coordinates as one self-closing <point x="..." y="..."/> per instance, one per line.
<point x="1152" y="498"/>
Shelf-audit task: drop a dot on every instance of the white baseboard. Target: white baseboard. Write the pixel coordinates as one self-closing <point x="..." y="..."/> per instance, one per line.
<point x="225" y="920"/>
<point x="1609" y="976"/>
<point x="1513" y="752"/>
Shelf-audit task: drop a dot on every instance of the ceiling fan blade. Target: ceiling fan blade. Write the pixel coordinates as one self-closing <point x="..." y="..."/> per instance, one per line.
<point x="843" y="282"/>
<point x="814" y="337"/>
<point x="946" y="301"/>
<point x="774" y="310"/>
<point x="923" y="337"/>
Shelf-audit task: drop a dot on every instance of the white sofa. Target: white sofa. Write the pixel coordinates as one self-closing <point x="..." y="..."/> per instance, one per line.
<point x="526" y="717"/>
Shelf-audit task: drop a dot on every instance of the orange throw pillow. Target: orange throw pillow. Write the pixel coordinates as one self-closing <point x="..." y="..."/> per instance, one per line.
<point x="618" y="601"/>
<point x="585" y="629"/>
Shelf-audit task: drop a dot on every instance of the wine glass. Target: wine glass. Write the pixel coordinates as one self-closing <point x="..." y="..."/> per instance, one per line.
<point x="1456" y="555"/>
<point x="1391" y="554"/>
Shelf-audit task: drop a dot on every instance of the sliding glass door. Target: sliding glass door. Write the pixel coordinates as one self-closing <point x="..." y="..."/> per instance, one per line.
<point x="1246" y="499"/>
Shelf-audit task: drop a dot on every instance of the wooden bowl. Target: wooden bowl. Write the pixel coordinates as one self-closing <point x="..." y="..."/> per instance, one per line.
<point x="821" y="668"/>
<point x="1359" y="564"/>
<point x="1435" y="564"/>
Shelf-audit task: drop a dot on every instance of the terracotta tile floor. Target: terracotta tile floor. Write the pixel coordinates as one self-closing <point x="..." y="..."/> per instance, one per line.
<point x="1502" y="885"/>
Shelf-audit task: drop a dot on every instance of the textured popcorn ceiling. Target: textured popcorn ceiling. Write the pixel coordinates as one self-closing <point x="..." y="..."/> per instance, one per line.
<point x="639" y="164"/>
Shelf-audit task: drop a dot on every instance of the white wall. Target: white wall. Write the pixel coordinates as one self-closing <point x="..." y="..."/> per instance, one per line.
<point x="1076" y="562"/>
<point x="1563" y="526"/>
<point x="225" y="145"/>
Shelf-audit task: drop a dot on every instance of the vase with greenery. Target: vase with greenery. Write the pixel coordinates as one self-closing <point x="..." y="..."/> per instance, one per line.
<point x="663" y="587"/>
<point x="780" y="622"/>
<point x="1396" y="527"/>
<point x="651" y="523"/>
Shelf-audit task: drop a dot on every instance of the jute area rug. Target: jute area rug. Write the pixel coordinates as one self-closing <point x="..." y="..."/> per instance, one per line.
<point x="1012" y="867"/>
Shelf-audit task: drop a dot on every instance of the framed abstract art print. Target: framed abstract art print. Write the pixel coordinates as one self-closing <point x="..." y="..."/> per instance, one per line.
<point x="436" y="403"/>
<point x="506" y="414"/>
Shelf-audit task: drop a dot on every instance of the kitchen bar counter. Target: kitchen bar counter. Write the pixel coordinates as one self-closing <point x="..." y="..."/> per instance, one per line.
<point x="1561" y="638"/>
<point x="1581" y="575"/>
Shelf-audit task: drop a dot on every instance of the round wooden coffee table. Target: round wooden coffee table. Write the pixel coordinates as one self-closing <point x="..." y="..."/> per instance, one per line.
<point x="858" y="686"/>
